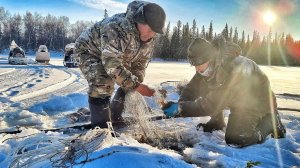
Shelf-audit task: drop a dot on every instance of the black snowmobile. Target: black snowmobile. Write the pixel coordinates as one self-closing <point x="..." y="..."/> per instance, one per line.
<point x="69" y="56"/>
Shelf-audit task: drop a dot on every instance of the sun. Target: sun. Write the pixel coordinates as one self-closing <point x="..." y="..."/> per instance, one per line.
<point x="269" y="17"/>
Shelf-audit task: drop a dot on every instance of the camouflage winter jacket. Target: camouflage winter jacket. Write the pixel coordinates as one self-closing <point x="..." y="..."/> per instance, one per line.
<point x="115" y="43"/>
<point x="237" y="84"/>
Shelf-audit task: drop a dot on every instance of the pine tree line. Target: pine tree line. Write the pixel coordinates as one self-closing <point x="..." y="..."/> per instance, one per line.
<point x="270" y="50"/>
<point x="31" y="30"/>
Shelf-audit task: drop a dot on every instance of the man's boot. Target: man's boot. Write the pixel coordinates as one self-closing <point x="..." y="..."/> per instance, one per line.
<point x="266" y="126"/>
<point x="117" y="107"/>
<point x="215" y="123"/>
<point x="100" y="111"/>
<point x="279" y="131"/>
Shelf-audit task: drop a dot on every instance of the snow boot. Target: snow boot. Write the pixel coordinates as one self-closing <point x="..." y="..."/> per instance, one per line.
<point x="100" y="111"/>
<point x="117" y="107"/>
<point x="215" y="123"/>
<point x="279" y="131"/>
<point x="266" y="127"/>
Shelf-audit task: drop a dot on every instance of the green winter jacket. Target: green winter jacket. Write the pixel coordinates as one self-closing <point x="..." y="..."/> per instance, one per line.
<point x="237" y="84"/>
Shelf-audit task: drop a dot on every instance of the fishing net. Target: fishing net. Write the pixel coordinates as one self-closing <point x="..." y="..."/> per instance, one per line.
<point x="60" y="151"/>
<point x="162" y="135"/>
<point x="56" y="150"/>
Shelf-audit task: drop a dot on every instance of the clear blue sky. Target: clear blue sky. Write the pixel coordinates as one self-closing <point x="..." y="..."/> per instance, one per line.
<point x="245" y="14"/>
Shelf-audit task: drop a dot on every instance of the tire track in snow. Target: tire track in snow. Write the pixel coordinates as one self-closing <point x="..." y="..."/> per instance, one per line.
<point x="6" y="72"/>
<point x="20" y="84"/>
<point x="48" y="89"/>
<point x="79" y="86"/>
<point x="11" y="79"/>
<point x="23" y="79"/>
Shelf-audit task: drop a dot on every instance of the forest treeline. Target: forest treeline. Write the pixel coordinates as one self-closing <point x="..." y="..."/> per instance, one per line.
<point x="32" y="29"/>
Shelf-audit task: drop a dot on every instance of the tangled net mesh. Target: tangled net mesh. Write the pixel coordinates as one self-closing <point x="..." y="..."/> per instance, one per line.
<point x="74" y="150"/>
<point x="62" y="152"/>
<point x="145" y="130"/>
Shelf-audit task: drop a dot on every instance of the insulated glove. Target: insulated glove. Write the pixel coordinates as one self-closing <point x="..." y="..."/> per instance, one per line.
<point x="145" y="90"/>
<point x="171" y="110"/>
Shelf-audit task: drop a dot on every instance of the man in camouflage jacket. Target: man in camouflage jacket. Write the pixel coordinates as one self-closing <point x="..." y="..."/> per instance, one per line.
<point x="224" y="79"/>
<point x="118" y="50"/>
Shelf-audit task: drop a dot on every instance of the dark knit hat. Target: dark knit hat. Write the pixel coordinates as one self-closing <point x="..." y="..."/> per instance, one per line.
<point x="153" y="15"/>
<point x="200" y="51"/>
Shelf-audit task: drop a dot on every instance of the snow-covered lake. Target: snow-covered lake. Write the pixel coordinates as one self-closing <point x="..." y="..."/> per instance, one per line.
<point x="34" y="97"/>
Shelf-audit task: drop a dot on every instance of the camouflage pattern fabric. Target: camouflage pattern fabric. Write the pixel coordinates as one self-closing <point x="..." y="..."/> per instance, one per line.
<point x="111" y="52"/>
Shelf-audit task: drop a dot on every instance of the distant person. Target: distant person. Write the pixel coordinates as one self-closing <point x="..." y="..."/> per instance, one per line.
<point x="118" y="50"/>
<point x="224" y="79"/>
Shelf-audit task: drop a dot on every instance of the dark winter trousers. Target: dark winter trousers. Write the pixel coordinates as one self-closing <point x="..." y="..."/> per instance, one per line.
<point x="103" y="111"/>
<point x="243" y="131"/>
<point x="117" y="105"/>
<point x="100" y="111"/>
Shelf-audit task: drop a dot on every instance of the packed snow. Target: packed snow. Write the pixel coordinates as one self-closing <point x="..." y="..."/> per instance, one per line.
<point x="36" y="97"/>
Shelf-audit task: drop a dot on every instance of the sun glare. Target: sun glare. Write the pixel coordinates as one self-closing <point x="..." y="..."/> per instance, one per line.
<point x="269" y="17"/>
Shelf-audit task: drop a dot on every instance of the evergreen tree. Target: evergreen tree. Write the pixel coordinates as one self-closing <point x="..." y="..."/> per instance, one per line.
<point x="230" y="34"/>
<point x="158" y="46"/>
<point x="264" y="41"/>
<point x="289" y="40"/>
<point x="269" y="36"/>
<point x="276" y="38"/>
<point x="258" y="37"/>
<point x="166" y="43"/>
<point x="225" y="32"/>
<point x="269" y="39"/>
<point x="178" y="39"/>
<point x="247" y="47"/>
<point x="235" y="36"/>
<point x="210" y="32"/>
<point x="202" y="35"/>
<point x="175" y="41"/>
<point x="242" y="42"/>
<point x="282" y="41"/>
<point x="105" y="13"/>
<point x="194" y="29"/>
<point x="185" y="41"/>
<point x="248" y="39"/>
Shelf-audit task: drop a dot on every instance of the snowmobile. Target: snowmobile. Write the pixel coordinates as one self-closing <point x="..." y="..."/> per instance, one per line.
<point x="16" y="55"/>
<point x="69" y="56"/>
<point x="42" y="55"/>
